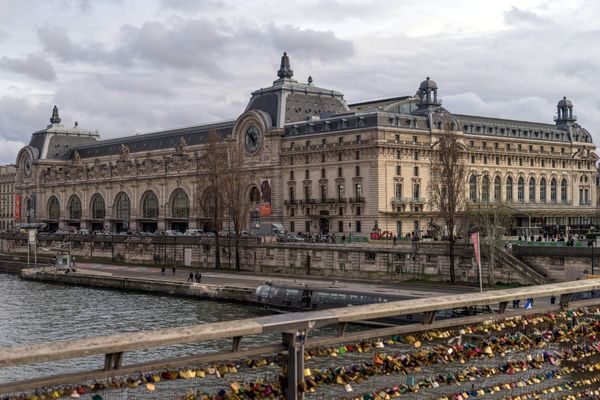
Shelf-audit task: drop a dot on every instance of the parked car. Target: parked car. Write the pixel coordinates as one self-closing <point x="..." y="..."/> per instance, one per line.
<point x="84" y="232"/>
<point x="172" y="232"/>
<point x="193" y="232"/>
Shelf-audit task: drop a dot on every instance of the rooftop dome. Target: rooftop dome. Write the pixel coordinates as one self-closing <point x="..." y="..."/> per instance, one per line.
<point x="564" y="102"/>
<point x="428" y="84"/>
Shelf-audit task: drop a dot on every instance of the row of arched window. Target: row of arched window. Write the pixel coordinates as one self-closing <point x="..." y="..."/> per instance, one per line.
<point x="486" y="190"/>
<point x="180" y="207"/>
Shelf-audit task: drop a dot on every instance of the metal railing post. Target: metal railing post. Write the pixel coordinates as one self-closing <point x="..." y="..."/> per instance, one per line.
<point x="295" y="363"/>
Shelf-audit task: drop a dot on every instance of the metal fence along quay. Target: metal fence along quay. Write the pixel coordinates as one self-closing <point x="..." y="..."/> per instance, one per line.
<point x="513" y="351"/>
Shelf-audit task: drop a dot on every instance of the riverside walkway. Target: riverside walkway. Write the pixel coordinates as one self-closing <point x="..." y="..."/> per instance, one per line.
<point x="252" y="281"/>
<point x="537" y="339"/>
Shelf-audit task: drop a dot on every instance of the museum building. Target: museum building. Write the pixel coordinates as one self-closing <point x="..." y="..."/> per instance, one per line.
<point x="320" y="165"/>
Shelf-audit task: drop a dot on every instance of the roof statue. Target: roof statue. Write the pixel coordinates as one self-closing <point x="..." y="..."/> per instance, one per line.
<point x="55" y="119"/>
<point x="285" y="71"/>
<point x="181" y="145"/>
<point x="77" y="158"/>
<point x="124" y="152"/>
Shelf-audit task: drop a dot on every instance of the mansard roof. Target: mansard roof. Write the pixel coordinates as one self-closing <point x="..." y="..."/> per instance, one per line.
<point x="288" y="100"/>
<point x="154" y="141"/>
<point x="55" y="142"/>
<point x="472" y="124"/>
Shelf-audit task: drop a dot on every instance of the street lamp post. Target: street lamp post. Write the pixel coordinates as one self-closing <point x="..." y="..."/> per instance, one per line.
<point x="593" y="245"/>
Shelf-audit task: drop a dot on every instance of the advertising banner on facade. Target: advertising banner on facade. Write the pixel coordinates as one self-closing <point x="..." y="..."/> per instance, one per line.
<point x="17" y="207"/>
<point x="265" y="199"/>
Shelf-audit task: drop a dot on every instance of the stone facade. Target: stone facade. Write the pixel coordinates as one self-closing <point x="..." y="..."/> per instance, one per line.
<point x="7" y="196"/>
<point x="320" y="164"/>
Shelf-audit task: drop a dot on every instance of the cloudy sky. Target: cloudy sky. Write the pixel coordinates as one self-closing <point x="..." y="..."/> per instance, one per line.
<point x="128" y="66"/>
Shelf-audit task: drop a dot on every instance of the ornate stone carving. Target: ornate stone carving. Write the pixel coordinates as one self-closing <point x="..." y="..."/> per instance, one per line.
<point x="181" y="146"/>
<point x="77" y="159"/>
<point x="124" y="153"/>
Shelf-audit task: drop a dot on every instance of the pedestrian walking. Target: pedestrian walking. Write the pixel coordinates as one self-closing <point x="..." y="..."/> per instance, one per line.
<point x="191" y="277"/>
<point x="174" y="269"/>
<point x="199" y="277"/>
<point x="553" y="300"/>
<point x="162" y="271"/>
<point x="394" y="241"/>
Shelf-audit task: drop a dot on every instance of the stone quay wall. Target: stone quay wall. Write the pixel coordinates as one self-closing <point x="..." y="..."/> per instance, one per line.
<point x="561" y="263"/>
<point x="365" y="261"/>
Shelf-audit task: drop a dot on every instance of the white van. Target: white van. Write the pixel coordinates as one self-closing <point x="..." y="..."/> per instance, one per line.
<point x="194" y="232"/>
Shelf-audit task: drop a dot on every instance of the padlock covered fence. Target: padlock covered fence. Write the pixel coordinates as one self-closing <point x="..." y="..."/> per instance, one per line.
<point x="550" y="350"/>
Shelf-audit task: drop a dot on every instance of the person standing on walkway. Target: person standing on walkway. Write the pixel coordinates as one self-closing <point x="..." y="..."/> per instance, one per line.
<point x="199" y="277"/>
<point x="191" y="277"/>
<point x="162" y="271"/>
<point x="174" y="269"/>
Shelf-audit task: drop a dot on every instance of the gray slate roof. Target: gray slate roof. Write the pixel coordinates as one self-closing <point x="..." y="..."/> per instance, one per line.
<point x="153" y="141"/>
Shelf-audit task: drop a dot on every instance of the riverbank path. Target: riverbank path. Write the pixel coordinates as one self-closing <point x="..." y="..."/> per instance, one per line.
<point x="246" y="280"/>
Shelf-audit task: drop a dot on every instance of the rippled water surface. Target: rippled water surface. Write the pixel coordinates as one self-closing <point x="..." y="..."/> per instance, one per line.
<point x="33" y="312"/>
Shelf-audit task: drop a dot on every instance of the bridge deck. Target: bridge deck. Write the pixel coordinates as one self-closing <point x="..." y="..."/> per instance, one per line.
<point x="279" y="323"/>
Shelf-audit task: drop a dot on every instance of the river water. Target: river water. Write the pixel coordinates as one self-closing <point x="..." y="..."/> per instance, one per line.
<point x="34" y="312"/>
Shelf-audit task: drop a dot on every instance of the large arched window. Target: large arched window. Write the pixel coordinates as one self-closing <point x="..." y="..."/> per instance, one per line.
<point x="150" y="205"/>
<point x="531" y="190"/>
<point x="255" y="195"/>
<point x="473" y="188"/>
<point x="53" y="209"/>
<point x="122" y="207"/>
<point x="553" y="190"/>
<point x="180" y="207"/>
<point x="543" y="190"/>
<point x="98" y="207"/>
<point x="509" y="189"/>
<point x="497" y="189"/>
<point x="485" y="189"/>
<point x="563" y="190"/>
<point x="74" y="207"/>
<point x="521" y="189"/>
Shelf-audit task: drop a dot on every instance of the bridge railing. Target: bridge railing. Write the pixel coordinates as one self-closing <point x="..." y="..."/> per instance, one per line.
<point x="293" y="327"/>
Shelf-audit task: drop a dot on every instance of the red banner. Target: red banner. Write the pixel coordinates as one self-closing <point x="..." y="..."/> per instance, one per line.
<point x="17" y="207"/>
<point x="475" y="239"/>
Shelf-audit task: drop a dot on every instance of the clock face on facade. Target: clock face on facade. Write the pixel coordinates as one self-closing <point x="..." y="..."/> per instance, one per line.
<point x="252" y="139"/>
<point x="27" y="166"/>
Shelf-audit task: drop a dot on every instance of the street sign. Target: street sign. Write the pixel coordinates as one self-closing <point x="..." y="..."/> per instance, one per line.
<point x="32" y="236"/>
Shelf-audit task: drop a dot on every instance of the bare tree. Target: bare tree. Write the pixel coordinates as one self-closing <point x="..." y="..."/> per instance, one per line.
<point x="447" y="186"/>
<point x="493" y="220"/>
<point x="213" y="166"/>
<point x="236" y="181"/>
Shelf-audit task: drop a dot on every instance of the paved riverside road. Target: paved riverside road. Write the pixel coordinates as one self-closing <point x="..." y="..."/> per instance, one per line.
<point x="245" y="280"/>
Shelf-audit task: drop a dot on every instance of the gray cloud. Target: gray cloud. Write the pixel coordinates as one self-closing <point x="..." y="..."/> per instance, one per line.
<point x="189" y="44"/>
<point x="309" y="43"/>
<point x="191" y="6"/>
<point x="21" y="116"/>
<point x="516" y="16"/>
<point x="33" y="65"/>
<point x="56" y="41"/>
